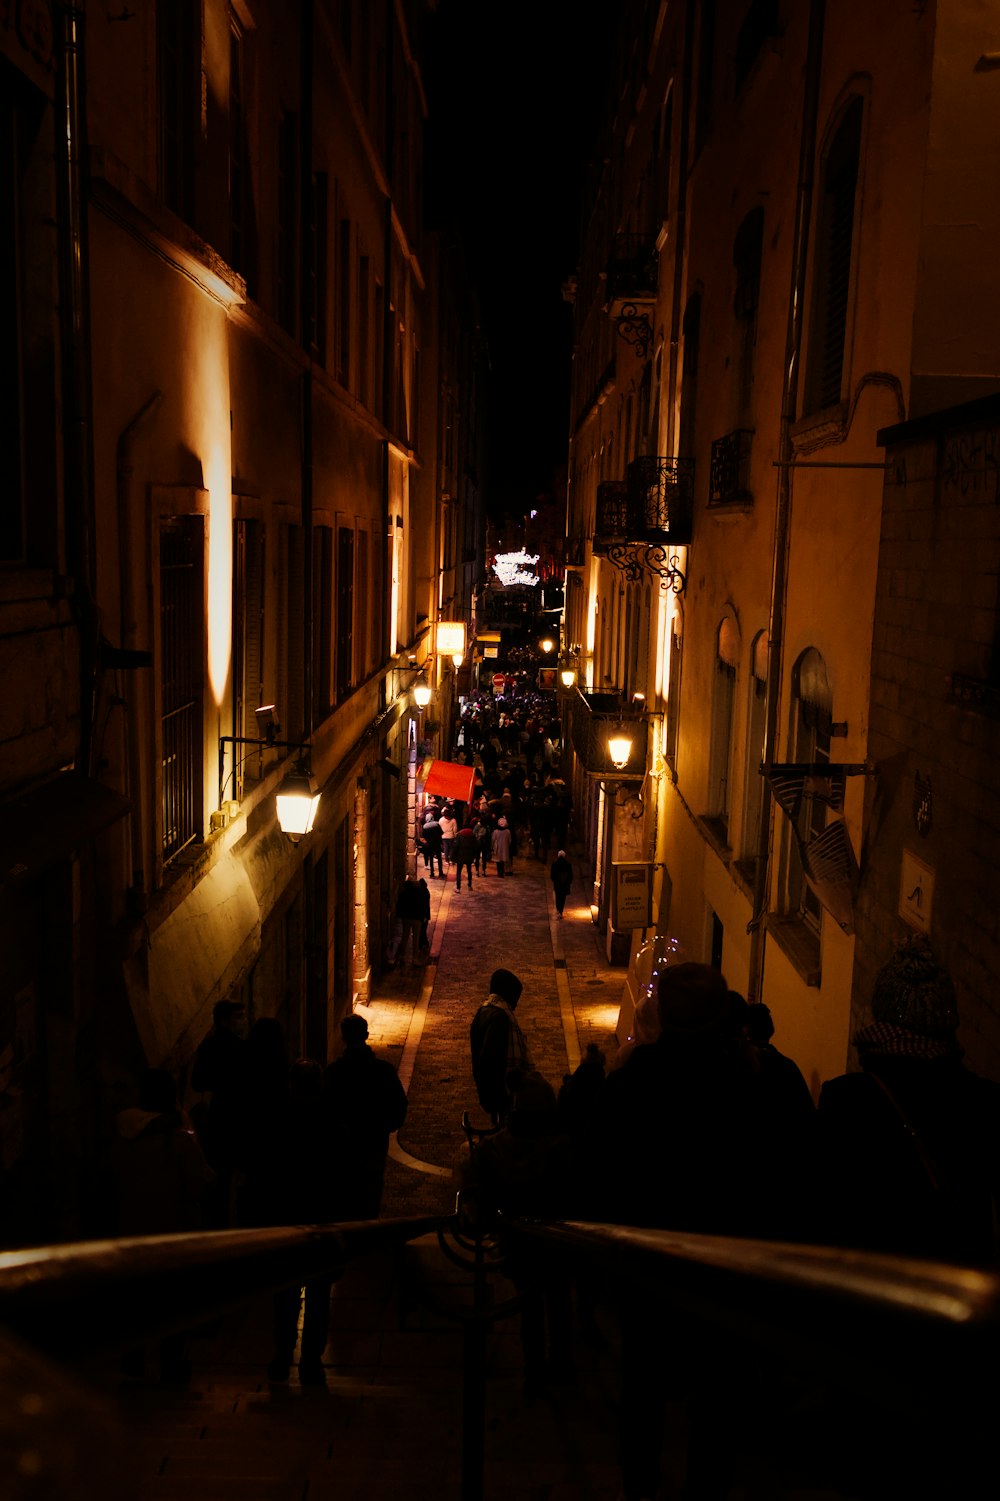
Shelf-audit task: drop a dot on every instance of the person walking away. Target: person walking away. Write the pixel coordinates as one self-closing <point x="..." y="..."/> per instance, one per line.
<point x="364" y="1103"/>
<point x="425" y="918"/>
<point x="449" y="829"/>
<point x="219" y="1071"/>
<point x="161" y="1182"/>
<point x="464" y="853"/>
<point x="484" y="843"/>
<point x="433" y="843"/>
<point x="528" y="1168"/>
<point x="309" y="1186"/>
<point x="408" y="911"/>
<point x="501" y="846"/>
<point x="561" y="876"/>
<point x="265" y="1146"/>
<point x="497" y="1043"/>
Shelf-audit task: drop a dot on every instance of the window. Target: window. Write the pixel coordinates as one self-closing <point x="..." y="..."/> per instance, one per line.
<point x="364" y="331"/>
<point x="288" y="176"/>
<point x="12" y="539"/>
<point x="746" y="262"/>
<point x="723" y="692"/>
<point x="691" y="329"/>
<point x="834" y="246"/>
<point x="379" y="403"/>
<point x="674" y="684"/>
<point x="322" y="605"/>
<point x="756" y="717"/>
<point x="366" y="594"/>
<point x="248" y="645"/>
<point x="181" y="653"/>
<point x="315" y="288"/>
<point x="345" y="611"/>
<point x="344" y="302"/>
<point x="812" y="706"/>
<point x="238" y="186"/>
<point x="291" y="632"/>
<point x="178" y="77"/>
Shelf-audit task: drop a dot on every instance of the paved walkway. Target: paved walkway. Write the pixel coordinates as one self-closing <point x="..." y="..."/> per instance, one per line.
<point x="389" y="1421"/>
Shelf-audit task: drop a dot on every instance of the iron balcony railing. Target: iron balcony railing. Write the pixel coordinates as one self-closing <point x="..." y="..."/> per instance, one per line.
<point x="632" y="272"/>
<point x="729" y="483"/>
<point x="611" y="514"/>
<point x="594" y="718"/>
<point x="660" y="500"/>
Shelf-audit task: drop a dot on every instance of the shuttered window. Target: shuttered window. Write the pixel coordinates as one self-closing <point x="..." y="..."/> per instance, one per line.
<point x="181" y="648"/>
<point x="248" y="645"/>
<point x="345" y="611"/>
<point x="833" y="262"/>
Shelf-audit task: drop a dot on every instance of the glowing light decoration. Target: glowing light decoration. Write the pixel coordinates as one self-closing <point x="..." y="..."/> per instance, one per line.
<point x="451" y="638"/>
<point x="512" y="568"/>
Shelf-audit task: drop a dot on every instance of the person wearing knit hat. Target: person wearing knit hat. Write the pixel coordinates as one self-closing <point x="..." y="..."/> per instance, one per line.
<point x="908" y="1153"/>
<point x="497" y="1043"/>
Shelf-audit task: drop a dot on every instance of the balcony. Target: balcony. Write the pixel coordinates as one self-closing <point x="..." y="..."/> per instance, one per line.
<point x="730" y="478"/>
<point x="632" y="273"/>
<point x="660" y="501"/>
<point x="593" y="718"/>
<point x="611" y="516"/>
<point x="631" y="289"/>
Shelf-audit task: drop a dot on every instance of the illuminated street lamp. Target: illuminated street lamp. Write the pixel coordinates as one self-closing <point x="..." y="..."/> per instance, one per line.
<point x="457" y="657"/>
<point x="547" y="644"/>
<point x="296" y="802"/>
<point x="567" y="676"/>
<point x="619" y="748"/>
<point x="421" y="694"/>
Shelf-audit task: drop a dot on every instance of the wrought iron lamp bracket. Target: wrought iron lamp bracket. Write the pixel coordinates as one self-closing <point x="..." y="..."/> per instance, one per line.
<point x="666" y="566"/>
<point x="624" y="556"/>
<point x="635" y="328"/>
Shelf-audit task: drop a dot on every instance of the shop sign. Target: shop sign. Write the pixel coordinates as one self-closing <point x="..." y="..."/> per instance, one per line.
<point x="631" y="895"/>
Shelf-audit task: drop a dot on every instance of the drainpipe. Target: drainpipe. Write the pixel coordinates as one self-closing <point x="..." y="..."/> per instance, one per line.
<point x="789" y="406"/>
<point x="305" y="173"/>
<point x="78" y="468"/>
<point x="680" y="224"/>
<point x="128" y="636"/>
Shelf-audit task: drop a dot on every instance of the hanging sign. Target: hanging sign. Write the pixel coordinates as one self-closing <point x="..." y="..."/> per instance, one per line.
<point x="631" y="895"/>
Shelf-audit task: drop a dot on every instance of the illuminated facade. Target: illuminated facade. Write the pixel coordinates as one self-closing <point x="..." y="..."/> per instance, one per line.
<point x="779" y="264"/>
<point x="248" y="502"/>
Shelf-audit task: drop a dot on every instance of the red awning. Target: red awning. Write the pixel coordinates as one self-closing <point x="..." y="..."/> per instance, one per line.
<point x="450" y="779"/>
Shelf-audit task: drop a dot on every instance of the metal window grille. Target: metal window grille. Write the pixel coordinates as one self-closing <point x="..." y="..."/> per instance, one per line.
<point x="730" y="477"/>
<point x="180" y="613"/>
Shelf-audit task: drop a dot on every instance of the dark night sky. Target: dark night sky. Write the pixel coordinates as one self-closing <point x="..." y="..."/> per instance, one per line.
<point x="514" y="95"/>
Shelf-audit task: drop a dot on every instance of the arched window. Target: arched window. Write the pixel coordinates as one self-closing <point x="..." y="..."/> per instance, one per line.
<point x="727" y="657"/>
<point x="673" y="658"/>
<point x="834" y="251"/>
<point x="747" y="251"/>
<point x="754" y="782"/>
<point x="812" y="719"/>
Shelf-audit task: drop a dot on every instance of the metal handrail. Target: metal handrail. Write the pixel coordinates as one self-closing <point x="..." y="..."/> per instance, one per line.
<point x="94" y="1296"/>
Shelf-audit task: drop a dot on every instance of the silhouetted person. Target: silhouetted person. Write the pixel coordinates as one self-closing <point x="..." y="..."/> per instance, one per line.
<point x="433" y="844"/>
<point x="561" y="876"/>
<point x="464" y="852"/>
<point x="681" y="1148"/>
<point x="265" y="1146"/>
<point x="497" y="1043"/>
<point x="528" y="1168"/>
<point x="408" y="911"/>
<point x="219" y="1070"/>
<point x="911" y="1144"/>
<point x="364" y="1103"/>
<point x="483" y="831"/>
<point x="425" y="917"/>
<point x="162" y="1181"/>
<point x="309" y="1171"/>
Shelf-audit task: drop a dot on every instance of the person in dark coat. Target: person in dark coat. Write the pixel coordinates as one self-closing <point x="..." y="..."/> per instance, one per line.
<point x="682" y="1146"/>
<point x="410" y="915"/>
<point x="483" y="830"/>
<point x="464" y="853"/>
<point x="265" y="1132"/>
<point x="497" y="1043"/>
<point x="432" y="843"/>
<point x="425" y="918"/>
<point x="219" y="1071"/>
<point x="561" y="876"/>
<point x="910" y="1145"/>
<point x="309" y="1201"/>
<point x="364" y="1103"/>
<point x="162" y="1182"/>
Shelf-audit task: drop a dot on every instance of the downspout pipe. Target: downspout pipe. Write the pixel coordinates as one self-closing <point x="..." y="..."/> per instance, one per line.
<point x="680" y="223"/>
<point x="307" y="43"/>
<point x="783" y="506"/>
<point x="78" y="457"/>
<point x="129" y="633"/>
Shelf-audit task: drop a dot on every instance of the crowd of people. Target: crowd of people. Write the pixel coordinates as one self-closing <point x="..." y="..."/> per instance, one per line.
<point x="705" y="1126"/>
<point x="267" y="1141"/>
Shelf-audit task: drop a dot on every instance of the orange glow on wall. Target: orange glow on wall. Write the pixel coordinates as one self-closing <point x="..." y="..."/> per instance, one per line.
<point x="220" y="569"/>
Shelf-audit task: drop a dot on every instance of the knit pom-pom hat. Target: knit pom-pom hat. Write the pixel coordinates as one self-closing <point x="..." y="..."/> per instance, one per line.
<point x="915" y="991"/>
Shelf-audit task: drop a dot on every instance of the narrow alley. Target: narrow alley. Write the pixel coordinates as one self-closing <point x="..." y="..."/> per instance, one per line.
<point x="389" y="1421"/>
